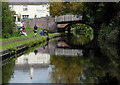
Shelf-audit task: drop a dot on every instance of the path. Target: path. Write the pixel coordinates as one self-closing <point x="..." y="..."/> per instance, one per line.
<point x="11" y="41"/>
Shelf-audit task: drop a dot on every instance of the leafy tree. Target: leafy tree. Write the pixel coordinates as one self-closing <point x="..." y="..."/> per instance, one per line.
<point x="62" y="8"/>
<point x="56" y="8"/>
<point x="99" y="13"/>
<point x="7" y="21"/>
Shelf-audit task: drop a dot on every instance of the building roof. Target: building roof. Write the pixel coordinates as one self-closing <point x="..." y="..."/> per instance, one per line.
<point x="28" y="2"/>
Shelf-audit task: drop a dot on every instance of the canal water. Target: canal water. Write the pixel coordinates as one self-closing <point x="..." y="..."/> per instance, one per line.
<point x="59" y="61"/>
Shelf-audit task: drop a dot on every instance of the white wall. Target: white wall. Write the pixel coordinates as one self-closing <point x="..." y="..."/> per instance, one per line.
<point x="39" y="10"/>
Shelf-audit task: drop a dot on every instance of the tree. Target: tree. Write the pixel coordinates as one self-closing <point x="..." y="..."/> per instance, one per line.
<point x="7" y="21"/>
<point x="99" y="13"/>
<point x="63" y="8"/>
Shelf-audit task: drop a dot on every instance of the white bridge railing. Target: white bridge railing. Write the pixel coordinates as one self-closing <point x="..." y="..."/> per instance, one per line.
<point x="66" y="18"/>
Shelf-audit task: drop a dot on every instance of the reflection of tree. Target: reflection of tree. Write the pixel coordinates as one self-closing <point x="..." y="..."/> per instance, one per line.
<point x="110" y="52"/>
<point x="91" y="69"/>
<point x="82" y="40"/>
<point x="67" y="69"/>
<point x="77" y="41"/>
<point x="108" y="80"/>
<point x="7" y="71"/>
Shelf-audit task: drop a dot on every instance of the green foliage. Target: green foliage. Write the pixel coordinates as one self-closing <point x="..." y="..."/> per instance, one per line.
<point x="7" y="21"/>
<point x="83" y="34"/>
<point x="29" y="42"/>
<point x="113" y="35"/>
<point x="109" y="34"/>
<point x="7" y="71"/>
<point x="28" y="28"/>
<point x="108" y="41"/>
<point x="63" y="8"/>
<point x="82" y="29"/>
<point x="17" y="34"/>
<point x="49" y="31"/>
<point x="99" y="13"/>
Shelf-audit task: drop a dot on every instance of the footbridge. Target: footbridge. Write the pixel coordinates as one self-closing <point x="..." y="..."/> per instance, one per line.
<point x="64" y="21"/>
<point x="68" y="19"/>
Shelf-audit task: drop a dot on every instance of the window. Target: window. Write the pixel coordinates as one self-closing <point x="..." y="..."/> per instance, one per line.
<point x="25" y="16"/>
<point x="25" y="8"/>
<point x="25" y="60"/>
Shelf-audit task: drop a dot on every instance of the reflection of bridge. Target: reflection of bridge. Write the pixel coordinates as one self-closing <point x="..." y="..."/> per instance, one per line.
<point x="68" y="52"/>
<point x="61" y="48"/>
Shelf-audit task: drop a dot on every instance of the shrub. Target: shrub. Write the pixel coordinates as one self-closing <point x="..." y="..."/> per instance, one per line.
<point x="82" y="29"/>
<point x="6" y="35"/>
<point x="113" y="36"/>
<point x="16" y="34"/>
<point x="7" y="21"/>
<point x="108" y="34"/>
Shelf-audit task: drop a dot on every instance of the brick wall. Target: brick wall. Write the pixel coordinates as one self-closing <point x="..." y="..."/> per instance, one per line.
<point x="44" y="22"/>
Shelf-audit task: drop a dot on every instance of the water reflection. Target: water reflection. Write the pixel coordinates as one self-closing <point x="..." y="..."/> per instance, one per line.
<point x="67" y="69"/>
<point x="57" y="62"/>
<point x="84" y="70"/>
<point x="78" y="41"/>
<point x="32" y="59"/>
<point x="7" y="71"/>
<point x="31" y="68"/>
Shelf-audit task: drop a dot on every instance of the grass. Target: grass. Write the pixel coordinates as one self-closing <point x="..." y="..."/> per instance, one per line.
<point x="28" y="41"/>
<point x="29" y="28"/>
<point x="17" y="38"/>
<point x="23" y="37"/>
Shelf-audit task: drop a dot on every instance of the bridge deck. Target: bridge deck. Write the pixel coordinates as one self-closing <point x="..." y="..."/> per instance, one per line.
<point x="68" y="18"/>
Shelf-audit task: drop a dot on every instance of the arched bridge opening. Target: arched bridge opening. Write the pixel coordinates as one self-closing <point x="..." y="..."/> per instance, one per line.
<point x="69" y="21"/>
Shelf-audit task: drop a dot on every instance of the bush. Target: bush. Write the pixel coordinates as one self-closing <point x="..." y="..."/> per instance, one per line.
<point x="82" y="29"/>
<point x="16" y="34"/>
<point x="113" y="36"/>
<point x="6" y="35"/>
<point x="108" y="34"/>
<point x="7" y="21"/>
<point x="49" y="31"/>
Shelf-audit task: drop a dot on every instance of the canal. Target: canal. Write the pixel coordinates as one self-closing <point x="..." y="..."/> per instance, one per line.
<point x="61" y="61"/>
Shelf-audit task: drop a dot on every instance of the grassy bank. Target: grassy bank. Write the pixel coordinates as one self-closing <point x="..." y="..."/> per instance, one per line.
<point x="28" y="41"/>
<point x="30" y="34"/>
